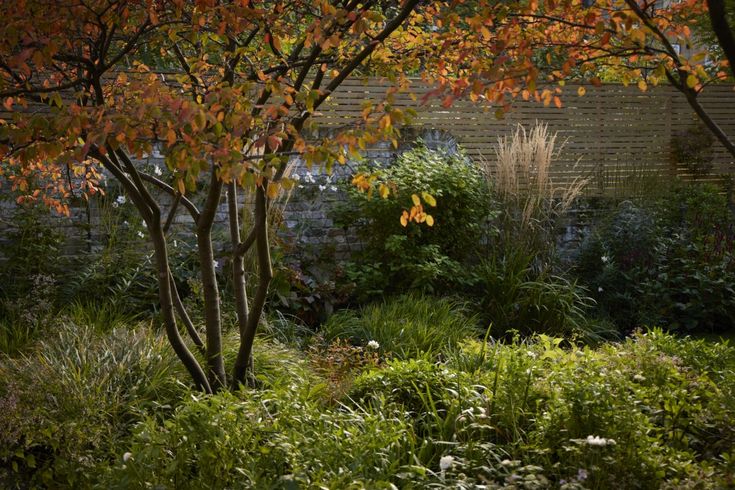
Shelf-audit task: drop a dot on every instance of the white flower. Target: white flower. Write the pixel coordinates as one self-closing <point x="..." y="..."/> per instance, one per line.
<point x="115" y="204"/>
<point x="127" y="457"/>
<point x="157" y="170"/>
<point x="215" y="263"/>
<point x="322" y="187"/>
<point x="639" y="377"/>
<point x="582" y="474"/>
<point x="599" y="289"/>
<point x="125" y="223"/>
<point x="446" y="462"/>
<point x="333" y="188"/>
<point x="373" y="344"/>
<point x="141" y="235"/>
<point x="120" y="200"/>
<point x="175" y="244"/>
<point x="599" y="441"/>
<point x="296" y="177"/>
<point x="605" y="259"/>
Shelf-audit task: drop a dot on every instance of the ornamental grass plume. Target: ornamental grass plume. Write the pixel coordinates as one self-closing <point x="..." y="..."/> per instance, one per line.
<point x="521" y="176"/>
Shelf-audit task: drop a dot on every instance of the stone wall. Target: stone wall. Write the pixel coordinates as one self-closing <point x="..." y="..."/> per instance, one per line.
<point x="305" y="215"/>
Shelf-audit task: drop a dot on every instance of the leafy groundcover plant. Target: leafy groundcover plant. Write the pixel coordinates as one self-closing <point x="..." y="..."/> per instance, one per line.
<point x="86" y="408"/>
<point x="652" y="412"/>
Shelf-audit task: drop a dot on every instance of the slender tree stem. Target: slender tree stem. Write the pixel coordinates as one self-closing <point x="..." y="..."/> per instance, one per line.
<point x="265" y="274"/>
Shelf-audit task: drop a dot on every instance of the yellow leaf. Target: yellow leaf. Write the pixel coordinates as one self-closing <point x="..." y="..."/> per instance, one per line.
<point x="691" y="81"/>
<point x="642" y="85"/>
<point x="429" y="220"/>
<point x="182" y="187"/>
<point x="272" y="190"/>
<point x="698" y="58"/>
<point x="415" y="199"/>
<point x="429" y="199"/>
<point x="404" y="219"/>
<point x="384" y="191"/>
<point x="581" y="91"/>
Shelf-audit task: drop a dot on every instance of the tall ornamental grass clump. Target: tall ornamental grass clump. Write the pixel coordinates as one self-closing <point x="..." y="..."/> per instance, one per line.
<point x="531" y="203"/>
<point x="519" y="284"/>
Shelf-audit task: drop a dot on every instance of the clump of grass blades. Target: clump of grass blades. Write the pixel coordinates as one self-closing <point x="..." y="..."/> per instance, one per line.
<point x="531" y="202"/>
<point x="69" y="400"/>
<point x="100" y="316"/>
<point x="406" y="326"/>
<point x="14" y="335"/>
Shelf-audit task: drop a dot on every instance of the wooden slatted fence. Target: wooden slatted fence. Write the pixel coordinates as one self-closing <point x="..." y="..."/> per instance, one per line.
<point x="618" y="136"/>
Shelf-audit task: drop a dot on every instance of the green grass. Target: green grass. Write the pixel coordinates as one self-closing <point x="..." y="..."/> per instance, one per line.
<point x="406" y="326"/>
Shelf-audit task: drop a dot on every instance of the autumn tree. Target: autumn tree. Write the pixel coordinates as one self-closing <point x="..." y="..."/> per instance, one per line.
<point x="233" y="87"/>
<point x="532" y="52"/>
<point x="227" y="91"/>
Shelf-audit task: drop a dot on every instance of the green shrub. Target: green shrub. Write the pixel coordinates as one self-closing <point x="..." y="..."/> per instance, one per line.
<point x="668" y="263"/>
<point x="406" y="326"/>
<point x="419" y="256"/>
<point x="70" y="402"/>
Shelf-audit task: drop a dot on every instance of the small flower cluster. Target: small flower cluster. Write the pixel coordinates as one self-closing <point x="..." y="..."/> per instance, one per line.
<point x="119" y="201"/>
<point x="599" y="441"/>
<point x="309" y="178"/>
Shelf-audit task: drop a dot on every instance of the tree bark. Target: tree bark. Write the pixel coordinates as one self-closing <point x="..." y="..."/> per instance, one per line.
<point x="184" y="317"/>
<point x="167" y="310"/>
<point x="242" y="372"/>
<point x="212" y="318"/>
<point x="711" y="124"/>
<point x="151" y="214"/>
<point x="238" y="277"/>
<point x="718" y="19"/>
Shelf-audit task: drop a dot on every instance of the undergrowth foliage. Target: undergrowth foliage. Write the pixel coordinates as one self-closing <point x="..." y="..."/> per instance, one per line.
<point x="405" y="326"/>
<point x="653" y="411"/>
<point x="404" y="395"/>
<point x="669" y="262"/>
